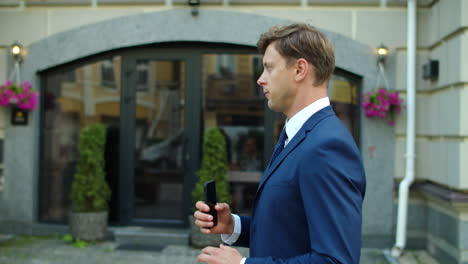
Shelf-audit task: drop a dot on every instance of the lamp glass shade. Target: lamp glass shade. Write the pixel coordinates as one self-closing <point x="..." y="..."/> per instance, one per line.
<point x="15" y="49"/>
<point x="382" y="51"/>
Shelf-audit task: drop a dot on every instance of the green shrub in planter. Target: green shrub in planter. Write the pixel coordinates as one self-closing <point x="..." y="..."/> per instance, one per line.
<point x="214" y="167"/>
<point x="90" y="192"/>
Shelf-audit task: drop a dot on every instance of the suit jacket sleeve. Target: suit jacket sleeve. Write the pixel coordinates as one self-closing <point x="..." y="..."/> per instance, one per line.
<point x="244" y="238"/>
<point x="331" y="181"/>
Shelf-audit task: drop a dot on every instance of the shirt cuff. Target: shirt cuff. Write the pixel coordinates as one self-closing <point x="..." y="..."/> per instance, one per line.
<point x="232" y="238"/>
<point x="243" y="260"/>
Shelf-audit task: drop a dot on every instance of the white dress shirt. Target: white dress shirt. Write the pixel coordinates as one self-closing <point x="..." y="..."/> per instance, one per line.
<point x="292" y="126"/>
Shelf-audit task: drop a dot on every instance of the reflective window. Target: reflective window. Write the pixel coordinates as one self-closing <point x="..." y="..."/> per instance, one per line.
<point x="107" y="74"/>
<point x="231" y="100"/>
<point x="74" y="98"/>
<point x="142" y="69"/>
<point x="160" y="145"/>
<point x="233" y="103"/>
<point x="343" y="91"/>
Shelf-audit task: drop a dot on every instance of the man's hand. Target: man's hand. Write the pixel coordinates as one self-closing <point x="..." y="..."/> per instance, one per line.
<point x="221" y="255"/>
<point x="205" y="221"/>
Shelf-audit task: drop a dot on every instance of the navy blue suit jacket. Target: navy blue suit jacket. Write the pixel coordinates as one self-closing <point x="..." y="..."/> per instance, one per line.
<point x="308" y="206"/>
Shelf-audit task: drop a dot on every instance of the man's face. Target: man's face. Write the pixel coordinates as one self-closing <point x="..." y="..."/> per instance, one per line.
<point x="277" y="80"/>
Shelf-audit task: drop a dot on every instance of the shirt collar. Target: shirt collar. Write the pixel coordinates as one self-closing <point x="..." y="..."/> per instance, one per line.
<point x="295" y="123"/>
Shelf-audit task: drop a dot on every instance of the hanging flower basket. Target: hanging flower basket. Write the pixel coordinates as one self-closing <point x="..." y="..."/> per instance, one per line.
<point x="22" y="96"/>
<point x="384" y="104"/>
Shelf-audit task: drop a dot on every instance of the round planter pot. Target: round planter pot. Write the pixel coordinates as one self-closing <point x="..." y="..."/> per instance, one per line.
<point x="200" y="240"/>
<point x="88" y="226"/>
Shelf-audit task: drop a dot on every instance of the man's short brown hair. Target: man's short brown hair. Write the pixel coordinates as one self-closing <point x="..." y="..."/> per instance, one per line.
<point x="302" y="41"/>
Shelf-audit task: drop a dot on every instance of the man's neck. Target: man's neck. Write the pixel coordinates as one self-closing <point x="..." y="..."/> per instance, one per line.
<point x="307" y="96"/>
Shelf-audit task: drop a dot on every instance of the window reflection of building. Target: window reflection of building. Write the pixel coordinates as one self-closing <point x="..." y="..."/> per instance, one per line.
<point x="250" y="149"/>
<point x="142" y="69"/>
<point x="343" y="93"/>
<point x="232" y="102"/>
<point x="160" y="141"/>
<point x="77" y="96"/>
<point x="107" y="74"/>
<point x="226" y="66"/>
<point x="69" y="76"/>
<point x="74" y="98"/>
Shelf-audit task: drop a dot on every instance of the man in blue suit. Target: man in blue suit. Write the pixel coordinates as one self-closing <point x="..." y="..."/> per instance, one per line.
<point x="308" y="207"/>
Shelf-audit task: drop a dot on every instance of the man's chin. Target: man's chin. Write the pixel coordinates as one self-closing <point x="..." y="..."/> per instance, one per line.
<point x="270" y="105"/>
<point x="273" y="107"/>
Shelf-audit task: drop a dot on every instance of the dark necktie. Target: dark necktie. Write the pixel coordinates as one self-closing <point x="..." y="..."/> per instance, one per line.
<point x="279" y="146"/>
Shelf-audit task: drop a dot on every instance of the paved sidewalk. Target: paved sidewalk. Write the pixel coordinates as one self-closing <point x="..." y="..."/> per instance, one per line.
<point x="36" y="250"/>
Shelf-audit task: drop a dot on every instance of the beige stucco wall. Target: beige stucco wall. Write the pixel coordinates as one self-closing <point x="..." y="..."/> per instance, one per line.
<point x="442" y="112"/>
<point x="3" y="65"/>
<point x="367" y="24"/>
<point x="3" y="112"/>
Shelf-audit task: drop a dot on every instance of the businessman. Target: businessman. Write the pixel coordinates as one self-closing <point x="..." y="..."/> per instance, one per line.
<point x="308" y="206"/>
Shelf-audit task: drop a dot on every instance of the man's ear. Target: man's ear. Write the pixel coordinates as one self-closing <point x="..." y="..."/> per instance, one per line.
<point x="302" y="69"/>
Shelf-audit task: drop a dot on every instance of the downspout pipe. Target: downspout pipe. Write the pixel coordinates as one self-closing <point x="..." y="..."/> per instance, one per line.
<point x="403" y="190"/>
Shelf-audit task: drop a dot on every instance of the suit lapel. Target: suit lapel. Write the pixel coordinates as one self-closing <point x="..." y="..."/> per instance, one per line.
<point x="291" y="145"/>
<point x="297" y="139"/>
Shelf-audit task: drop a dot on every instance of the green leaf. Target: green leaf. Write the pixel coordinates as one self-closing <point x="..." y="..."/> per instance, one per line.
<point x="68" y="238"/>
<point x="214" y="166"/>
<point x="90" y="191"/>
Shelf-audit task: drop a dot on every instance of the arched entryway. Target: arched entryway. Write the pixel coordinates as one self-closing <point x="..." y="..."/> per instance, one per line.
<point x="180" y="42"/>
<point x="156" y="101"/>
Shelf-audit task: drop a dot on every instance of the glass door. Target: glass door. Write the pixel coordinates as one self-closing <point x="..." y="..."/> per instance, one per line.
<point x="158" y="120"/>
<point x="234" y="103"/>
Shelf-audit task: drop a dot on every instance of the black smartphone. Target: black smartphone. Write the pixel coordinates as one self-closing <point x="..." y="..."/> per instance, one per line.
<point x="210" y="199"/>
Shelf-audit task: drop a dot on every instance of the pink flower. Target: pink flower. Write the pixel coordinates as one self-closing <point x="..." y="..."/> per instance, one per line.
<point x="27" y="85"/>
<point x="23" y="95"/>
<point x="382" y="103"/>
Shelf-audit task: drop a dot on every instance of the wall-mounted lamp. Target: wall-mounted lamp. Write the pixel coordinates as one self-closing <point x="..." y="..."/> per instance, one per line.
<point x="17" y="51"/>
<point x="382" y="53"/>
<point x="194" y="4"/>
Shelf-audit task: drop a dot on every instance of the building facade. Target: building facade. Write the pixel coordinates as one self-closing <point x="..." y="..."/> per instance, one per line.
<point x="157" y="74"/>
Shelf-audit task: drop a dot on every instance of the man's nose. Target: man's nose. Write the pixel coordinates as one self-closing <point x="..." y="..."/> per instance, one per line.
<point x="261" y="80"/>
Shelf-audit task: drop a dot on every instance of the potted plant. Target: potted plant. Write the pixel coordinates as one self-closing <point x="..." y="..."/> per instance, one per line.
<point x="214" y="167"/>
<point x="90" y="193"/>
<point x="383" y="103"/>
<point x="21" y="96"/>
